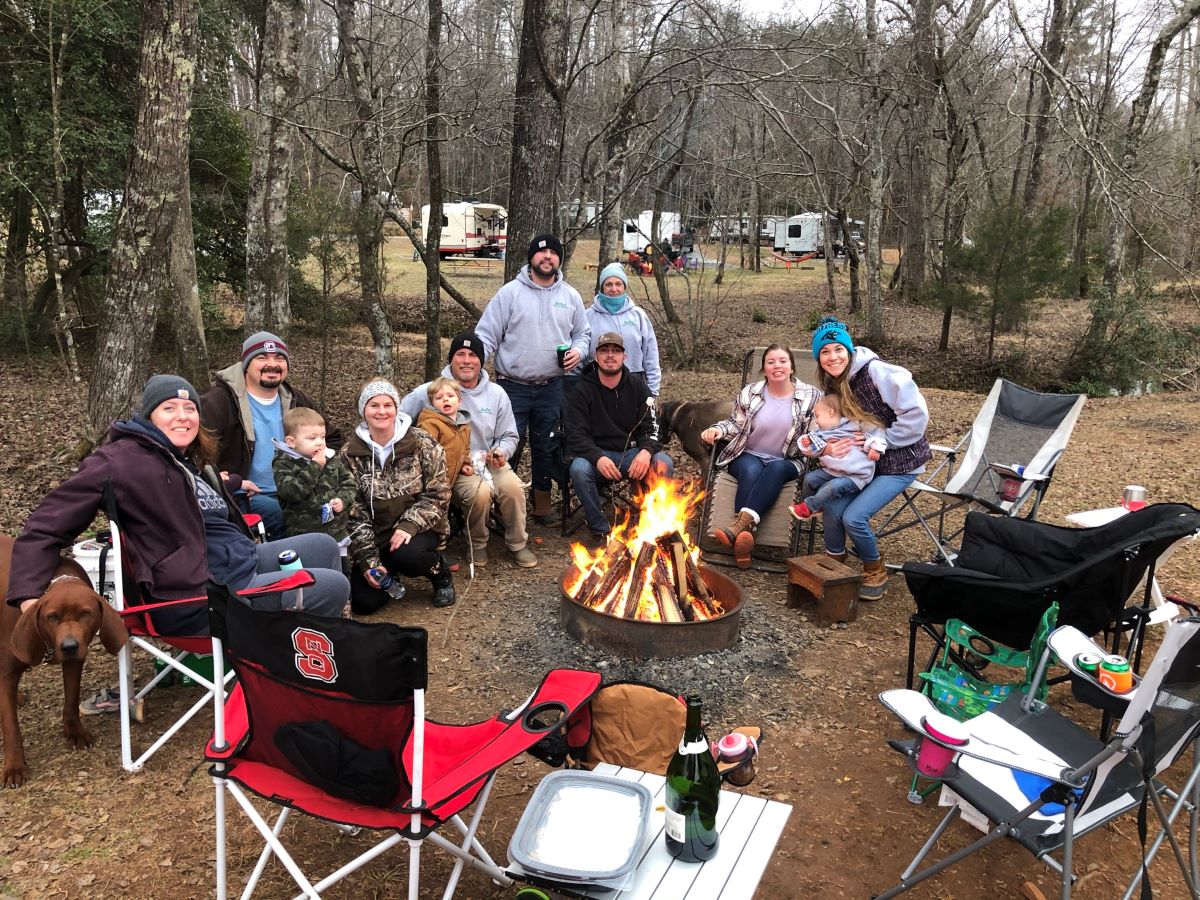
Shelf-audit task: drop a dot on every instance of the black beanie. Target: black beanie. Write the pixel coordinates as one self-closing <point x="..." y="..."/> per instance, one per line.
<point x="161" y="388"/>
<point x="544" y="242"/>
<point x="468" y="340"/>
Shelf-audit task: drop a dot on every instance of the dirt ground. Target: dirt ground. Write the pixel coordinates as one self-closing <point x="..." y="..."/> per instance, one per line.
<point x="81" y="826"/>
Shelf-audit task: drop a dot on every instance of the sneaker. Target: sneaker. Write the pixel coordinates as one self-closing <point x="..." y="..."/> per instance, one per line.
<point x="523" y="558"/>
<point x="108" y="700"/>
<point x="802" y="512"/>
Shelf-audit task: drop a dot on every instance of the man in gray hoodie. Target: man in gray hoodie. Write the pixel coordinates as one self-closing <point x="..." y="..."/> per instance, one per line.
<point x="493" y="441"/>
<point x="522" y="328"/>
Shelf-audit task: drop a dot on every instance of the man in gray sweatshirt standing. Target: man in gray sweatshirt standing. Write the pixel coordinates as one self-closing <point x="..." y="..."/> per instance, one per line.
<point x="523" y="329"/>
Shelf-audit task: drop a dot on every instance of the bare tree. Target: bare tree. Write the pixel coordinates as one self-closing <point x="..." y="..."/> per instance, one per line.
<point x="433" y="235"/>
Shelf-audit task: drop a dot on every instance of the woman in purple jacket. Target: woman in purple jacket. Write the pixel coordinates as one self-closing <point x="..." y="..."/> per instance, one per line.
<point x="180" y="522"/>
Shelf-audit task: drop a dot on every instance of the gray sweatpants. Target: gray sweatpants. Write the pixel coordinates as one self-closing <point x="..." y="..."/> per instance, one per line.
<point x="320" y="555"/>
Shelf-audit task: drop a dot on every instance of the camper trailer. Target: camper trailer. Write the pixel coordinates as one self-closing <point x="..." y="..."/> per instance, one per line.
<point x="804" y="233"/>
<point x="470" y="228"/>
<point x="636" y="236"/>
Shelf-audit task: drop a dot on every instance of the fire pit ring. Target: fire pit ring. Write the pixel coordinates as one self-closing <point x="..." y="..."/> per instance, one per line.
<point x="649" y="640"/>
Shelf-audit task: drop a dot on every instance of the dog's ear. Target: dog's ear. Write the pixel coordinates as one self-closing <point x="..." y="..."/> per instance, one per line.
<point x="28" y="645"/>
<point x="113" y="633"/>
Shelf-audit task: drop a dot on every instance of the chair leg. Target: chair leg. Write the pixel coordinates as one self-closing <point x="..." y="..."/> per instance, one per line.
<point x="124" y="691"/>
<point x="219" y="811"/>
<point x="271" y="835"/>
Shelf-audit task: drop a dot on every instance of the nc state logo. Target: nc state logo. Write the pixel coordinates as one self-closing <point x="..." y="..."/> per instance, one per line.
<point x="314" y="655"/>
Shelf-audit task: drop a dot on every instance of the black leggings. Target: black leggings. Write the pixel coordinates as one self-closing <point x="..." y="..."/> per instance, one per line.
<point x="417" y="558"/>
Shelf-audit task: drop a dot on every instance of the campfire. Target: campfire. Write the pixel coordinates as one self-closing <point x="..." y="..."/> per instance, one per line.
<point x="648" y="570"/>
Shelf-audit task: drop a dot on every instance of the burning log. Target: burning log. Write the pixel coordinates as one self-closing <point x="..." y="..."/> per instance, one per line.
<point x="664" y="592"/>
<point x="642" y="570"/>
<point x="606" y="573"/>
<point x="699" y="590"/>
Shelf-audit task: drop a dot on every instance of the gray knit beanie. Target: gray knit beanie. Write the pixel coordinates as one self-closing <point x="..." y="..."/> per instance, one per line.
<point x="262" y="342"/>
<point x="161" y="388"/>
<point x="374" y="389"/>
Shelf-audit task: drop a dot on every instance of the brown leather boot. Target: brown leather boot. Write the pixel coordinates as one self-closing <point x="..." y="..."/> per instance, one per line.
<point x="840" y="557"/>
<point x="544" y="512"/>
<point x="743" y="545"/>
<point x="875" y="579"/>
<point x="727" y="535"/>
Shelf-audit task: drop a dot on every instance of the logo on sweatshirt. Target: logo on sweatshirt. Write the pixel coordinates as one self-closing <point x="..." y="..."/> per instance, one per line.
<point x="485" y="410"/>
<point x="561" y="304"/>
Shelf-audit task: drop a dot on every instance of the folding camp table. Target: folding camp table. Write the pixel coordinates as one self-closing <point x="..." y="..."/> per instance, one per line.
<point x="749" y="826"/>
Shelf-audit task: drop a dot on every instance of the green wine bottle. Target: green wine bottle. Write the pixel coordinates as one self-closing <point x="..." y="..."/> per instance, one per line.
<point x="693" y="792"/>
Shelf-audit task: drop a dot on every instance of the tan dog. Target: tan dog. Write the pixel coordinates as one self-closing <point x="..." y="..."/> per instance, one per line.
<point x="58" y="628"/>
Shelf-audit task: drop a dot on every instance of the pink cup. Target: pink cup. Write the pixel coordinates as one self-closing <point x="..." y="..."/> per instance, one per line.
<point x="933" y="758"/>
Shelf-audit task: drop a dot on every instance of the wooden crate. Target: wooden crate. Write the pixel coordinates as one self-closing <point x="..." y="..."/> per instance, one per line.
<point x="831" y="585"/>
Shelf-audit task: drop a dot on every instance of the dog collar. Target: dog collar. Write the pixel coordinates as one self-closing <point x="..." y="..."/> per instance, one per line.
<point x="66" y="577"/>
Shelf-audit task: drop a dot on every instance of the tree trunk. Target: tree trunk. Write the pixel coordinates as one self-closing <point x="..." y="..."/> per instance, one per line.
<point x="142" y="235"/>
<point x="16" y="252"/>
<point x="670" y="172"/>
<point x="433" y="238"/>
<point x="616" y="141"/>
<point x="267" y="304"/>
<point x="1053" y="45"/>
<point x="851" y="248"/>
<point x="186" y="320"/>
<point x="919" y="145"/>
<point x="368" y="220"/>
<point x="875" y="174"/>
<point x="539" y="108"/>
<point x="827" y="241"/>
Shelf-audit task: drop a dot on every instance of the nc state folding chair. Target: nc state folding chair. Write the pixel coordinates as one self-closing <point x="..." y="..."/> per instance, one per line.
<point x="328" y="718"/>
<point x="779" y="534"/>
<point x="1011" y="570"/>
<point x="1015" y="428"/>
<point x="1025" y="772"/>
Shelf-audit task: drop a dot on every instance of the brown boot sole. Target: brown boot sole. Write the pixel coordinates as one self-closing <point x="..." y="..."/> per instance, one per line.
<point x="743" y="549"/>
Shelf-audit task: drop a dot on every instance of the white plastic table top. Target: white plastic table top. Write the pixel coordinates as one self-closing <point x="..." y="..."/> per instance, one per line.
<point x="749" y="826"/>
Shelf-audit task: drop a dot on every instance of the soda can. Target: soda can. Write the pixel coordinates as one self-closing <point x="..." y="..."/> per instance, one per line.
<point x="1116" y="674"/>
<point x="1089" y="662"/>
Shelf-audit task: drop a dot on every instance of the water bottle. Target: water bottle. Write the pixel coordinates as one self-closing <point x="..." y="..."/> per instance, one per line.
<point x="289" y="561"/>
<point x="693" y="792"/>
<point x="389" y="584"/>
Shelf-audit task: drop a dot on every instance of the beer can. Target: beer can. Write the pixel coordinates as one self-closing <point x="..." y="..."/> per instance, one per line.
<point x="1116" y="674"/>
<point x="1089" y="662"/>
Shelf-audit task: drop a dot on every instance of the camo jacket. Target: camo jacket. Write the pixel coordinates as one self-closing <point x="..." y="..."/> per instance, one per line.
<point x="303" y="487"/>
<point x="410" y="492"/>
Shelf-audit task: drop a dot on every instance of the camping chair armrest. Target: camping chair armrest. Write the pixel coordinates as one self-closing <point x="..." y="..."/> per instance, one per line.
<point x="1067" y="644"/>
<point x="301" y="578"/>
<point x="988" y="740"/>
<point x="942" y="448"/>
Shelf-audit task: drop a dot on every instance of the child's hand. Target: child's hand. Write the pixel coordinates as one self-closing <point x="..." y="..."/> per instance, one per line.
<point x="467" y="469"/>
<point x="336" y="504"/>
<point x="873" y="454"/>
<point x="319" y="457"/>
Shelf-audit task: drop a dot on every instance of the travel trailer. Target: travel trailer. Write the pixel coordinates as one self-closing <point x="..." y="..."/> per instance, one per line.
<point x="804" y="233"/>
<point x="637" y="238"/>
<point x="470" y="228"/>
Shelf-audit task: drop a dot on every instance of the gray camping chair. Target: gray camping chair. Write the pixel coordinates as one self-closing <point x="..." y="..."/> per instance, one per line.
<point x="1015" y="427"/>
<point x="1025" y="772"/>
<point x="779" y="535"/>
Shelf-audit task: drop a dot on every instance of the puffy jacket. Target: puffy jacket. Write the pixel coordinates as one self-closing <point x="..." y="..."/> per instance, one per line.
<point x="453" y="437"/>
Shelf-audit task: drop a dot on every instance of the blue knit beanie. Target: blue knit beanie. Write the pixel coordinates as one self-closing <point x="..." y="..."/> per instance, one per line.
<point x="831" y="331"/>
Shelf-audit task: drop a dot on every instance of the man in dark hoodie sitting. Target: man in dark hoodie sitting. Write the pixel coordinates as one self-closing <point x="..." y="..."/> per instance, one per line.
<point x="612" y="430"/>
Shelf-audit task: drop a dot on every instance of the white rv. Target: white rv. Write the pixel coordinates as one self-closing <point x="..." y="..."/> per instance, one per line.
<point x="470" y="229"/>
<point x="636" y="236"/>
<point x="804" y="233"/>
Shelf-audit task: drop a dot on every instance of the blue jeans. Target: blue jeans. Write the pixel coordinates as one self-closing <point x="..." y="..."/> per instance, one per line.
<point x="538" y="407"/>
<point x="853" y="515"/>
<point x="585" y="479"/>
<point x="820" y="487"/>
<point x="267" y="506"/>
<point x="759" y="481"/>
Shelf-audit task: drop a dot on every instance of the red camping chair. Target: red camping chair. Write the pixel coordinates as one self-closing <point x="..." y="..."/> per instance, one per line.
<point x="146" y="634"/>
<point x="328" y="717"/>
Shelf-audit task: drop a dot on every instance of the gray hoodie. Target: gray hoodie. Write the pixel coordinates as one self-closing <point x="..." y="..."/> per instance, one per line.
<point x="898" y="390"/>
<point x="492" y="422"/>
<point x="641" y="344"/>
<point x="524" y="323"/>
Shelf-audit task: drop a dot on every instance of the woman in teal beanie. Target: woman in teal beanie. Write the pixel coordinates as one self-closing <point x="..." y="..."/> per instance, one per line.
<point x="614" y="310"/>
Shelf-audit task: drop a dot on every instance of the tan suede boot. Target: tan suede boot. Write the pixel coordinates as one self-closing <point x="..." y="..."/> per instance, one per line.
<point x="743" y="545"/>
<point x="840" y="557"/>
<point x="544" y="512"/>
<point x="728" y="535"/>
<point x="875" y="579"/>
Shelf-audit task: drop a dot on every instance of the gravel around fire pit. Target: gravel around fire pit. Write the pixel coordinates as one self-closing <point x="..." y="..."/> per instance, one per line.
<point x="759" y="667"/>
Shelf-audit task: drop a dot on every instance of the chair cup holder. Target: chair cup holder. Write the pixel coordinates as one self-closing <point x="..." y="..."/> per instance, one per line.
<point x="939" y="742"/>
<point x="1088" y="690"/>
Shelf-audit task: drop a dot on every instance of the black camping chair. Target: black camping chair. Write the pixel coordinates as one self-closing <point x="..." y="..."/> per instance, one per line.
<point x="779" y="534"/>
<point x="1010" y="570"/>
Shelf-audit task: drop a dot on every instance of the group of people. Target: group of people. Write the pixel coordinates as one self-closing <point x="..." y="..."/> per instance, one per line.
<point x="185" y="466"/>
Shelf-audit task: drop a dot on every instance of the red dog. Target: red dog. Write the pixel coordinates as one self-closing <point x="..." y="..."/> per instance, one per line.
<point x="58" y="628"/>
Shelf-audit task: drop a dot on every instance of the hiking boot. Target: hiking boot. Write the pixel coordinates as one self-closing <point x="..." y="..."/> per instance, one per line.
<point x="523" y="558"/>
<point x="802" y="512"/>
<point x="840" y="557"/>
<point x="443" y="583"/>
<point x="875" y="580"/>
<point x="544" y="512"/>
<point x="743" y="548"/>
<point x="108" y="700"/>
<point x="479" y="557"/>
<point x="596" y="542"/>
<point x="728" y="535"/>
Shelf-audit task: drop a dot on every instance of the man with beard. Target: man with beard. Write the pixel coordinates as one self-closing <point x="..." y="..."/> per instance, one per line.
<point x="493" y="440"/>
<point x="523" y="329"/>
<point x="612" y="430"/>
<point x="245" y="407"/>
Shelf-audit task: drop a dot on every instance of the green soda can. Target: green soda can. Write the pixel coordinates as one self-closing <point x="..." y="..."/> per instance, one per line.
<point x="1088" y="662"/>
